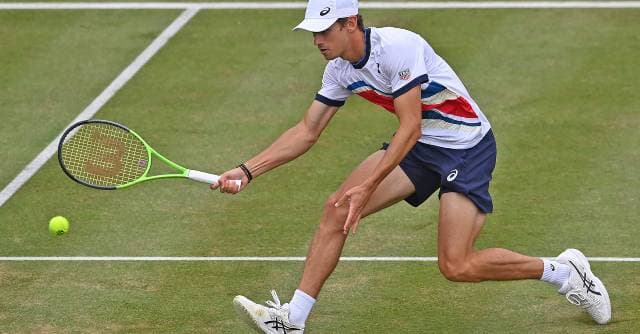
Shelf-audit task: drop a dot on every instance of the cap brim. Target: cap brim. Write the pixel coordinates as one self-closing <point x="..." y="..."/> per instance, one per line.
<point x="315" y="25"/>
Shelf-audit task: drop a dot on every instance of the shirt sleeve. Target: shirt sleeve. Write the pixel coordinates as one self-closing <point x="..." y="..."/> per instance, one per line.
<point x="332" y="93"/>
<point x="405" y="64"/>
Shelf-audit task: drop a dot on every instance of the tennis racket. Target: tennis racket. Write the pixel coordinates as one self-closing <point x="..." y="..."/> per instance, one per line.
<point x="107" y="155"/>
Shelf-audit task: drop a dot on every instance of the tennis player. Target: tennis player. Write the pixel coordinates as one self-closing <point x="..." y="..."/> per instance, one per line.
<point x="443" y="141"/>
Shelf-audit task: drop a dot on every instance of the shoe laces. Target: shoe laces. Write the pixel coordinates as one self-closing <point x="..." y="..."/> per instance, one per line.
<point x="276" y="302"/>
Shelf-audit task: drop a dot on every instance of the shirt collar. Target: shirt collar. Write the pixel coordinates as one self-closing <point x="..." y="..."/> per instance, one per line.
<point x="367" y="50"/>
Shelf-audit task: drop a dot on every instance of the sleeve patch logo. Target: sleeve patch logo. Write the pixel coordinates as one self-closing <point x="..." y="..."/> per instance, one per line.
<point x="404" y="74"/>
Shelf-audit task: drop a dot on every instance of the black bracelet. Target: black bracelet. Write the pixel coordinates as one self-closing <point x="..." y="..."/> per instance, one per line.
<point x="246" y="172"/>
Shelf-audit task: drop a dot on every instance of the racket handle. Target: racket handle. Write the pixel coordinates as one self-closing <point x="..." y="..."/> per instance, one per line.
<point x="206" y="177"/>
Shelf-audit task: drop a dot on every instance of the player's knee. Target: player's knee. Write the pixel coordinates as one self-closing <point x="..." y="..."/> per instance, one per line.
<point x="456" y="271"/>
<point x="334" y="217"/>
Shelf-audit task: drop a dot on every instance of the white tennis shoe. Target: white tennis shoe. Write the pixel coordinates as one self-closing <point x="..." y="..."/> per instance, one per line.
<point x="583" y="288"/>
<point x="271" y="319"/>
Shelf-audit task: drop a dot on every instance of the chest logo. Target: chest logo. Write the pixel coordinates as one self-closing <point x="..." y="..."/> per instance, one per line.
<point x="404" y="74"/>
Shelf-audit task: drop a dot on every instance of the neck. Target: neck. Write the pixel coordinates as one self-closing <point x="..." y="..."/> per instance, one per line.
<point x="357" y="42"/>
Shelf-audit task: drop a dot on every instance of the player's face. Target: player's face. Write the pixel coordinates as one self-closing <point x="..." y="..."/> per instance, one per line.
<point x="331" y="42"/>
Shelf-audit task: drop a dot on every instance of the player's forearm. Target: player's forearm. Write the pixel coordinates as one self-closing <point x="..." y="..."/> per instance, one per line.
<point x="408" y="110"/>
<point x="290" y="145"/>
<point x="404" y="139"/>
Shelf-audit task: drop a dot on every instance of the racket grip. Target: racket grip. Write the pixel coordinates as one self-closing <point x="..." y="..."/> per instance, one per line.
<point x="206" y="177"/>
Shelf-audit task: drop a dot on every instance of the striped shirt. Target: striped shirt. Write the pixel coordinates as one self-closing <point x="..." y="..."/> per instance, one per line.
<point x="395" y="61"/>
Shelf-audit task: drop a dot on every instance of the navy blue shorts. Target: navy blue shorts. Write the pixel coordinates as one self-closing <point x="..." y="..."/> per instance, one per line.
<point x="466" y="171"/>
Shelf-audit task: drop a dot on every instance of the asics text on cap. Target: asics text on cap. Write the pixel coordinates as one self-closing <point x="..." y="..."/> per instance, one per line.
<point x="321" y="14"/>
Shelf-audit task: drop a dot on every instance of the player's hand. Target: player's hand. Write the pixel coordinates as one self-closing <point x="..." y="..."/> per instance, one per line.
<point x="227" y="182"/>
<point x="357" y="197"/>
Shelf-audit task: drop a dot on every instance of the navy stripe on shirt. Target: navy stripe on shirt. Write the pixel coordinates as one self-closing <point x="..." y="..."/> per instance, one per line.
<point x="417" y="81"/>
<point x="328" y="101"/>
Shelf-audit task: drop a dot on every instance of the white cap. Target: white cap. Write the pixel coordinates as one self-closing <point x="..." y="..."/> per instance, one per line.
<point x="321" y="14"/>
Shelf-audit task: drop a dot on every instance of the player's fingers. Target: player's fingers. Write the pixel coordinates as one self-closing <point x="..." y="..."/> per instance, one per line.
<point x="222" y="182"/>
<point x="345" y="228"/>
<point x="229" y="186"/>
<point x="349" y="222"/>
<point x="234" y="186"/>
<point x="216" y="185"/>
<point x="354" y="228"/>
<point x="341" y="200"/>
<point x="354" y="220"/>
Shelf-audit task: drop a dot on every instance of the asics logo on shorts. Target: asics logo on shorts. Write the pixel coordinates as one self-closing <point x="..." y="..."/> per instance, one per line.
<point x="452" y="175"/>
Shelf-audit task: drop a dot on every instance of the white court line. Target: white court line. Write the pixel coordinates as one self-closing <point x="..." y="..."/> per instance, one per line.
<point x="255" y="258"/>
<point x="98" y="102"/>
<point x="296" y="5"/>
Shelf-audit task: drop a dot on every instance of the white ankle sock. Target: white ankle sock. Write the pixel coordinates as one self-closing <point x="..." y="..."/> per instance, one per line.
<point x="300" y="307"/>
<point x="555" y="273"/>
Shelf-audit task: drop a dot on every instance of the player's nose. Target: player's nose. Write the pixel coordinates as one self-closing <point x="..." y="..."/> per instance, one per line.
<point x="317" y="39"/>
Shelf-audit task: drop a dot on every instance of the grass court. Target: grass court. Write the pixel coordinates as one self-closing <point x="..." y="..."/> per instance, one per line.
<point x="560" y="87"/>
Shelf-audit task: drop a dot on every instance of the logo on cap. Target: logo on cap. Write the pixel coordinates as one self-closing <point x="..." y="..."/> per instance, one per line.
<point x="325" y="11"/>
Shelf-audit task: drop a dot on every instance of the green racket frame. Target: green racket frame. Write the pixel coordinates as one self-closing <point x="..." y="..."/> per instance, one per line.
<point x="183" y="172"/>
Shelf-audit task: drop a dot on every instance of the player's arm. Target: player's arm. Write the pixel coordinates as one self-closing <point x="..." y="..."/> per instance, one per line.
<point x="408" y="111"/>
<point x="295" y="141"/>
<point x="291" y="144"/>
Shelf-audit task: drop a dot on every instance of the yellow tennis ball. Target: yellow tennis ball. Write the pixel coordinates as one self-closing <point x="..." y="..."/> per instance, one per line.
<point x="58" y="225"/>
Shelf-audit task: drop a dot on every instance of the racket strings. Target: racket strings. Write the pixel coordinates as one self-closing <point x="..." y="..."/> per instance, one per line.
<point x="106" y="155"/>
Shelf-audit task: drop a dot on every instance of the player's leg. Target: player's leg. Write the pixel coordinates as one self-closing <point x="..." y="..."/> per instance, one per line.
<point x="464" y="202"/>
<point x="327" y="243"/>
<point x="324" y="251"/>
<point x="460" y="223"/>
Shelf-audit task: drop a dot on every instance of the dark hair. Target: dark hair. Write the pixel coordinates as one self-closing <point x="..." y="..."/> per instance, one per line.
<point x="343" y="20"/>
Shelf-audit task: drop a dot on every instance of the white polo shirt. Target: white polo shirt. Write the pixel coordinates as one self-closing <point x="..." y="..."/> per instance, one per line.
<point x="395" y="61"/>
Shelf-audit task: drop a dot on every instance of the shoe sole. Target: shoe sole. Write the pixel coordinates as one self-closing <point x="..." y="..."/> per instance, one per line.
<point x="245" y="314"/>
<point x="579" y="256"/>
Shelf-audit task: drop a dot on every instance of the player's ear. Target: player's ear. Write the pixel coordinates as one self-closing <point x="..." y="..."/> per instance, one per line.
<point x="352" y="23"/>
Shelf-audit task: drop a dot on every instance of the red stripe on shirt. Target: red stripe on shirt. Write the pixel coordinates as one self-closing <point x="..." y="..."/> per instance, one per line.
<point x="381" y="100"/>
<point x="458" y="107"/>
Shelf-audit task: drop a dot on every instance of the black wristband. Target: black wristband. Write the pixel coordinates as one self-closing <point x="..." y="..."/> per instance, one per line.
<point x="246" y="171"/>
